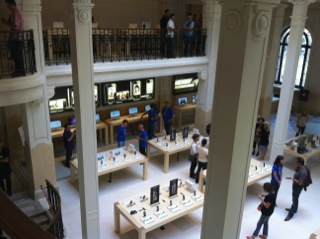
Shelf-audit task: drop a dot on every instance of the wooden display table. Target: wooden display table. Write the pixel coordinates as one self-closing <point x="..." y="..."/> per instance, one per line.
<point x="108" y="164"/>
<point x="315" y="235"/>
<point x="101" y="127"/>
<point x="312" y="152"/>
<point x="164" y="146"/>
<point x="155" y="219"/>
<point x="258" y="170"/>
<point x="116" y="122"/>
<point x="179" y="115"/>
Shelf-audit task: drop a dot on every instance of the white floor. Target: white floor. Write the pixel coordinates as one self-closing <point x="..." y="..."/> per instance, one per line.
<point x="128" y="182"/>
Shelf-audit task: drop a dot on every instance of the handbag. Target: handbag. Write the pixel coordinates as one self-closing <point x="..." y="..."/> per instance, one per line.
<point x="259" y="207"/>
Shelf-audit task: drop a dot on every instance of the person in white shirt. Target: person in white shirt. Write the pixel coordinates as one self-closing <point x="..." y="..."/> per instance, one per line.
<point x="170" y="36"/>
<point x="193" y="157"/>
<point x="202" y="158"/>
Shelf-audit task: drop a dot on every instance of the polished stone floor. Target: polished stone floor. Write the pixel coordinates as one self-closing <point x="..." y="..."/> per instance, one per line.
<point x="129" y="181"/>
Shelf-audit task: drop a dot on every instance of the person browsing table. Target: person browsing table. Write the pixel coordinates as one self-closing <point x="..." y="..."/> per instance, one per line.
<point x="68" y="143"/>
<point x="167" y="115"/>
<point x="202" y="158"/>
<point x="122" y="133"/>
<point x="143" y="139"/>
<point x="153" y="114"/>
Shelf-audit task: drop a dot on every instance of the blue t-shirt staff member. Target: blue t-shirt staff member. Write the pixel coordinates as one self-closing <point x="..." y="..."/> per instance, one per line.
<point x="143" y="139"/>
<point x="122" y="133"/>
<point x="68" y="143"/>
<point x="167" y="115"/>
<point x="5" y="169"/>
<point x="153" y="114"/>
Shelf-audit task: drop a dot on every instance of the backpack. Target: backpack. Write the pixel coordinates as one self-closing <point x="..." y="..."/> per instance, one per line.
<point x="307" y="180"/>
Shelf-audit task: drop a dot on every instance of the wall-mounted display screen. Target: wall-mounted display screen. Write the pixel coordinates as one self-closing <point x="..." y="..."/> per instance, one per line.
<point x="122" y="96"/>
<point x="95" y="93"/>
<point x="183" y="84"/>
<point x="58" y="105"/>
<point x="182" y="101"/>
<point x="136" y="89"/>
<point x="194" y="99"/>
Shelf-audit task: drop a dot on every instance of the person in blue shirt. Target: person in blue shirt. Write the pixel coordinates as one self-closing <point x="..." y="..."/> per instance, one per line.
<point x="143" y="139"/>
<point x="167" y="115"/>
<point x="189" y="35"/>
<point x="153" y="114"/>
<point x="276" y="175"/>
<point x="122" y="133"/>
<point x="68" y="143"/>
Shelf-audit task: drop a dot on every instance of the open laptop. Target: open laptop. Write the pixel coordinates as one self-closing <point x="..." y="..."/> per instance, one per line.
<point x="97" y="117"/>
<point x="115" y="114"/>
<point x="133" y="111"/>
<point x="55" y="125"/>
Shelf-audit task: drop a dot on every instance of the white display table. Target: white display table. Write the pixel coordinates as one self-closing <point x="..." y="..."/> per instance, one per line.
<point x="108" y="162"/>
<point x="155" y="219"/>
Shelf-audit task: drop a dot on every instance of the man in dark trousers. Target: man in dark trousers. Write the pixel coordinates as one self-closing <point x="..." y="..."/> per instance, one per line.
<point x="297" y="186"/>
<point x="163" y="32"/>
<point x="167" y="116"/>
<point x="68" y="143"/>
<point x="5" y="169"/>
<point x="143" y="139"/>
<point x="153" y="114"/>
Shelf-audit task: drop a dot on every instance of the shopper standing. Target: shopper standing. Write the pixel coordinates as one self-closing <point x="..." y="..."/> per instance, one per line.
<point x="153" y="114"/>
<point x="264" y="141"/>
<point x="297" y="186"/>
<point x="302" y="122"/>
<point x="257" y="135"/>
<point x="189" y="35"/>
<point x="267" y="207"/>
<point x="16" y="24"/>
<point x="163" y="31"/>
<point x="193" y="157"/>
<point x="167" y="116"/>
<point x="68" y="143"/>
<point x="5" y="169"/>
<point x="202" y="158"/>
<point x="170" y="36"/>
<point x="143" y="139"/>
<point x="122" y="133"/>
<point x="276" y="175"/>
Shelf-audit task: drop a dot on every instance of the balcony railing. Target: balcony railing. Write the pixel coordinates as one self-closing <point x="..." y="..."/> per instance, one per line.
<point x="127" y="44"/>
<point x="17" y="54"/>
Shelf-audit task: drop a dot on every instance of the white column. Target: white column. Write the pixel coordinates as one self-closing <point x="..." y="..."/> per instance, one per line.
<point x="83" y="82"/>
<point x="211" y="22"/>
<point x="298" y="19"/>
<point x="271" y="62"/>
<point x="243" y="41"/>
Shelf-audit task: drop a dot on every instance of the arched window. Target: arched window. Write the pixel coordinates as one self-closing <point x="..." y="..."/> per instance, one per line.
<point x="303" y="57"/>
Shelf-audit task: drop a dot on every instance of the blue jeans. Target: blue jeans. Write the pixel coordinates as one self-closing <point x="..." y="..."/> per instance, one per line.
<point x="152" y="129"/>
<point x="121" y="144"/>
<point x="296" y="190"/>
<point x="263" y="221"/>
<point x="276" y="187"/>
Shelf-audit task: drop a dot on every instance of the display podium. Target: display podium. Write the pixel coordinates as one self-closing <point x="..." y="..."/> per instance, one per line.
<point x="145" y="218"/>
<point x="114" y="160"/>
<point x="185" y="115"/>
<point x="258" y="170"/>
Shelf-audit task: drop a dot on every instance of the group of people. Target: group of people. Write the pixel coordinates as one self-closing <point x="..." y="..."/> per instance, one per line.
<point x="261" y="138"/>
<point x="168" y="29"/>
<point x="268" y="201"/>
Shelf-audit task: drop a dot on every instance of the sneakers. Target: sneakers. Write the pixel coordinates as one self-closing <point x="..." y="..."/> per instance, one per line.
<point x="263" y="236"/>
<point x="250" y="237"/>
<point x="288" y="209"/>
<point x="287" y="219"/>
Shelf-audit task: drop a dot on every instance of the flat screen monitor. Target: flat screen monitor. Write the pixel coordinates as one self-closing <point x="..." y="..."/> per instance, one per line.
<point x="56" y="124"/>
<point x="173" y="133"/>
<point x="110" y="91"/>
<point x="57" y="105"/>
<point x="194" y="99"/>
<point x="173" y="189"/>
<point x="115" y="114"/>
<point x="133" y="110"/>
<point x="97" y="117"/>
<point x="154" y="195"/>
<point x="185" y="84"/>
<point x="185" y="132"/>
<point x="182" y="101"/>
<point x="122" y="96"/>
<point x="72" y="121"/>
<point x="150" y="87"/>
<point x="147" y="108"/>
<point x="136" y="88"/>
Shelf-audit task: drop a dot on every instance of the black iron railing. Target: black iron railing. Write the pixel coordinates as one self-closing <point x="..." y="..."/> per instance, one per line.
<point x="56" y="224"/>
<point x="17" y="54"/>
<point x="127" y="44"/>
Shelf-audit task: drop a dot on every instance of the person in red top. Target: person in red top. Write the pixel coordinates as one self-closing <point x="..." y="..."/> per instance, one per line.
<point x="16" y="24"/>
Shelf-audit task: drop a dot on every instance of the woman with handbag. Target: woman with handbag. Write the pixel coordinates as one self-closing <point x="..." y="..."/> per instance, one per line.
<point x="193" y="157"/>
<point x="266" y="207"/>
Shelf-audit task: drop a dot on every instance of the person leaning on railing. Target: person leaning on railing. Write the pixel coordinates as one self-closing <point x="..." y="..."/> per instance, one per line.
<point x="16" y="24"/>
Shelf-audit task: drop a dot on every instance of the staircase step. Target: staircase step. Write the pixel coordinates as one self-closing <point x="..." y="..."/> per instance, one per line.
<point x="41" y="220"/>
<point x="35" y="212"/>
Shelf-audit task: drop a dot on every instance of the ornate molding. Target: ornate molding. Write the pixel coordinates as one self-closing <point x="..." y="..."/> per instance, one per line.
<point x="50" y="91"/>
<point x="203" y="75"/>
<point x="233" y="21"/>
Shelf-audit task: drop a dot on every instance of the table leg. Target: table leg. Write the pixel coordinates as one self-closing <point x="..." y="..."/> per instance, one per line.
<point x="117" y="228"/>
<point x="145" y="169"/>
<point x="111" y="134"/>
<point x="142" y="234"/>
<point x="166" y="162"/>
<point x="201" y="182"/>
<point x="106" y="135"/>
<point x="72" y="173"/>
<point x="148" y="152"/>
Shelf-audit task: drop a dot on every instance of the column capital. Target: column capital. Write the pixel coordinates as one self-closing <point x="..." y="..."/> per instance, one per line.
<point x="253" y="1"/>
<point x="31" y="5"/>
<point x="84" y="11"/>
<point x="300" y="2"/>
